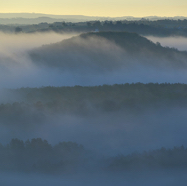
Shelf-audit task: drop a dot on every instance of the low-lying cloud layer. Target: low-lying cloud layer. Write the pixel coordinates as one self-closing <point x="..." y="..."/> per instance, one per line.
<point x="104" y="133"/>
<point x="176" y="42"/>
<point x="125" y="132"/>
<point x="163" y="178"/>
<point x="105" y="63"/>
<point x="18" y="70"/>
<point x="108" y="133"/>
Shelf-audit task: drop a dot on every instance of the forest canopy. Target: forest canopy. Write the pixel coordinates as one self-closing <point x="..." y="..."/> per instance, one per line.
<point x="105" y="97"/>
<point x="38" y="156"/>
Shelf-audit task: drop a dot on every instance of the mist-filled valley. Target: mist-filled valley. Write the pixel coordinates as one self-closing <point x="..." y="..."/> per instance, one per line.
<point x="89" y="59"/>
<point x="98" y="108"/>
<point x="173" y="42"/>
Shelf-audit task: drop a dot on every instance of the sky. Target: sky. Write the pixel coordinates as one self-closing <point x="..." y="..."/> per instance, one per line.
<point x="111" y="8"/>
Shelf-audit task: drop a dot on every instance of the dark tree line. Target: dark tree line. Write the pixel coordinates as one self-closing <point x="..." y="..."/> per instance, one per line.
<point x="38" y="155"/>
<point x="163" y="158"/>
<point x="86" y="99"/>
<point x="166" y="27"/>
<point x="38" y="104"/>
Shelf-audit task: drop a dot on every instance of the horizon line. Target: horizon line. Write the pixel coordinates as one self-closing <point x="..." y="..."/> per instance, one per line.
<point x="92" y="15"/>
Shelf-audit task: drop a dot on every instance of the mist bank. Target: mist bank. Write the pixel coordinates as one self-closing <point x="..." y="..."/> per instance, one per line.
<point x="108" y="51"/>
<point x="38" y="156"/>
<point x="112" y="57"/>
<point x="88" y="59"/>
<point x="179" y="43"/>
<point x="106" y="119"/>
<point x="131" y="179"/>
<point x="17" y="70"/>
<point x="104" y="133"/>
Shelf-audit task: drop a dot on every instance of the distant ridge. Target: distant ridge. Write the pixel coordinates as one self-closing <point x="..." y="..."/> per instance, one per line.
<point x="30" y="18"/>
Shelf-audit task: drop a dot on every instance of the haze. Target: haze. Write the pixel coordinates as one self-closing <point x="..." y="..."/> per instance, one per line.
<point x="18" y="70"/>
<point x="98" y="8"/>
<point x="176" y="42"/>
<point x="42" y="59"/>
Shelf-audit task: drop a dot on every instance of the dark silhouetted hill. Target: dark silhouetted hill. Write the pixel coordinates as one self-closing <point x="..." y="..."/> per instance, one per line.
<point x="107" y="51"/>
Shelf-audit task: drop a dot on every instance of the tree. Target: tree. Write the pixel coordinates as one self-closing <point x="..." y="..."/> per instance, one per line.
<point x="89" y="24"/>
<point x="16" y="144"/>
<point x="18" y="30"/>
<point x="97" y="24"/>
<point x="38" y="144"/>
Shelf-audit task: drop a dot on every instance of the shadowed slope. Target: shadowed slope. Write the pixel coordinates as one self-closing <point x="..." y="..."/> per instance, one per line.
<point x="106" y="51"/>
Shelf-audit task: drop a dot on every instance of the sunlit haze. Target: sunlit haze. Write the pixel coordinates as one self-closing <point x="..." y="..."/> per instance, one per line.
<point x="93" y="92"/>
<point x="112" y="8"/>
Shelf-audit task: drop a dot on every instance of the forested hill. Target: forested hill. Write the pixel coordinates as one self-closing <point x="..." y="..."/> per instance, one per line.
<point x="134" y="43"/>
<point x="107" y="98"/>
<point x="106" y="51"/>
<point x="127" y="40"/>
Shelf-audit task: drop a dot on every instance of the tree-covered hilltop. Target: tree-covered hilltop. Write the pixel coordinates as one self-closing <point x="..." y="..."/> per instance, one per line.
<point x="107" y="51"/>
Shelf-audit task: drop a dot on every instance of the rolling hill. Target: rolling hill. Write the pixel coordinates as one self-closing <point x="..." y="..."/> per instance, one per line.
<point x="107" y="51"/>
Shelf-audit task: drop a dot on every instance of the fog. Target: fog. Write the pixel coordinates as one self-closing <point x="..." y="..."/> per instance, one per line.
<point x="17" y="70"/>
<point x="176" y="42"/>
<point x="167" y="178"/>
<point x="103" y="133"/>
<point x="107" y="134"/>
<point x="105" y="63"/>
<point x="112" y="133"/>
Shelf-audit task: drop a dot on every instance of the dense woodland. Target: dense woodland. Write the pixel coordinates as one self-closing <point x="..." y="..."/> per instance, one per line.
<point x="167" y="27"/>
<point x="175" y="158"/>
<point x="37" y="155"/>
<point x="107" y="98"/>
<point x="119" y="93"/>
<point x="26" y="109"/>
